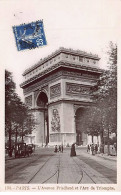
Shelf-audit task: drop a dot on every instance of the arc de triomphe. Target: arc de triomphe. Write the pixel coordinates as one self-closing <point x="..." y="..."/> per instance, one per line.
<point x="57" y="90"/>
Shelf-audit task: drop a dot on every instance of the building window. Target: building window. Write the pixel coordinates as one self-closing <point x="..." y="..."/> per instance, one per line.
<point x="66" y="56"/>
<point x="74" y="58"/>
<point x="80" y="59"/>
<point x="87" y="60"/>
<point x="94" y="62"/>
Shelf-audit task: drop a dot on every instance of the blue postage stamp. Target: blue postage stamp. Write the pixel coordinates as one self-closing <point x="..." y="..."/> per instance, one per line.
<point x="29" y="36"/>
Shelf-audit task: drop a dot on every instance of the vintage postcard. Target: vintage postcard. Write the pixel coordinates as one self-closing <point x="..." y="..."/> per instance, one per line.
<point x="60" y="96"/>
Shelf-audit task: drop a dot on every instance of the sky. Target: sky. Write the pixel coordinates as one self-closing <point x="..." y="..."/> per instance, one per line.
<point x="87" y="25"/>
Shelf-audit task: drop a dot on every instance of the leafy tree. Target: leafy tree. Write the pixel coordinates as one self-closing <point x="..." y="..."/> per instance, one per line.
<point x="92" y="121"/>
<point x="103" y="116"/>
<point x="18" y="120"/>
<point x="107" y="90"/>
<point x="9" y="98"/>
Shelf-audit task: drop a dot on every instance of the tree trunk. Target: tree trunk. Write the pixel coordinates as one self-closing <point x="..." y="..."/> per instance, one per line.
<point x="16" y="133"/>
<point x="22" y="135"/>
<point x="102" y="138"/>
<point x="116" y="144"/>
<point x="92" y="139"/>
<point x="10" y="149"/>
<point x="108" y="143"/>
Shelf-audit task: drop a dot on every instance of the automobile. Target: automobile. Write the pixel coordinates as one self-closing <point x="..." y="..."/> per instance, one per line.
<point x="31" y="148"/>
<point x="21" y="150"/>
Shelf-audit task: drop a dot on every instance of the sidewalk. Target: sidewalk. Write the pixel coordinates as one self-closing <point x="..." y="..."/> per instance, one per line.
<point x="9" y="158"/>
<point x="100" y="155"/>
<point x="105" y="156"/>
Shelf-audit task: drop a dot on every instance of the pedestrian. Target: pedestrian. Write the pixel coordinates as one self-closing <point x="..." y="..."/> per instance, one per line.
<point x="96" y="148"/>
<point x="102" y="148"/>
<point x="62" y="148"/>
<point x="115" y="146"/>
<point x="34" y="146"/>
<point x="59" y="148"/>
<point x="73" y="152"/>
<point x="92" y="149"/>
<point x="88" y="148"/>
<point x="56" y="149"/>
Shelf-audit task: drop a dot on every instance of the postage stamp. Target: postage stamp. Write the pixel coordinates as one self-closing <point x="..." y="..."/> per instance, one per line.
<point x="30" y="36"/>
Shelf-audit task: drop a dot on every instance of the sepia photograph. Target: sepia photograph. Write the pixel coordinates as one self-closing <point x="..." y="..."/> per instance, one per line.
<point x="59" y="73"/>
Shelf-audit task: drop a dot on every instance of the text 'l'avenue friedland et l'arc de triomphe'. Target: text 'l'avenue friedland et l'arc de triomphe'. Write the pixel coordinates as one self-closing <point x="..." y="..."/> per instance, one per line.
<point x="57" y="90"/>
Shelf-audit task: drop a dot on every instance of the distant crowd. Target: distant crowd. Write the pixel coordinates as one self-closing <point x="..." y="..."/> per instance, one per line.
<point x="94" y="148"/>
<point x="58" y="148"/>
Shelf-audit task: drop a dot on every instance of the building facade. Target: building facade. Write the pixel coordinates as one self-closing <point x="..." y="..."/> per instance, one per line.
<point x="58" y="90"/>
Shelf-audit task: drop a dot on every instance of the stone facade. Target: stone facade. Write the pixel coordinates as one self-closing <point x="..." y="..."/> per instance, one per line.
<point x="62" y="82"/>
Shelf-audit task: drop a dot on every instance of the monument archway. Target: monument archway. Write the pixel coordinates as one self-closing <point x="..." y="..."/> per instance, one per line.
<point x="42" y="100"/>
<point x="54" y="88"/>
<point x="42" y="118"/>
<point x="81" y="136"/>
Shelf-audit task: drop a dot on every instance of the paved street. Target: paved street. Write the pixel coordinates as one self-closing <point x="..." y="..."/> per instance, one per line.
<point x="45" y="166"/>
